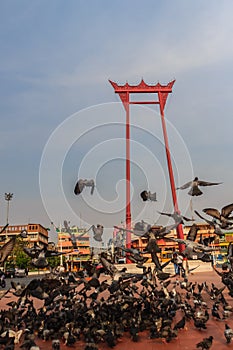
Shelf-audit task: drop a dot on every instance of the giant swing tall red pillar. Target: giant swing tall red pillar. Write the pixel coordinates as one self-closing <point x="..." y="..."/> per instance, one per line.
<point x="162" y="92"/>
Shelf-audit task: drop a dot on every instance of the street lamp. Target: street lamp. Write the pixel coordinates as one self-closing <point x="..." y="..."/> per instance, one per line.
<point x="8" y="197"/>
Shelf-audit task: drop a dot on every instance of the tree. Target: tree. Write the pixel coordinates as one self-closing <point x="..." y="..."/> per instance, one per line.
<point x="54" y="261"/>
<point x="22" y="260"/>
<point x="18" y="257"/>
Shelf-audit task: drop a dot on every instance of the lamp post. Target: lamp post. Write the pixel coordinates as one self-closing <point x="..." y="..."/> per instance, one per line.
<point x="8" y="197"/>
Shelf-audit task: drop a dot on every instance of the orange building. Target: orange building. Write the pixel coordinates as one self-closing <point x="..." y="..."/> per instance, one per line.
<point x="75" y="246"/>
<point x="36" y="233"/>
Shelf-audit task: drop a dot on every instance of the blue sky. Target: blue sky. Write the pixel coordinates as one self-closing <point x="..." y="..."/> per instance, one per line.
<point x="56" y="59"/>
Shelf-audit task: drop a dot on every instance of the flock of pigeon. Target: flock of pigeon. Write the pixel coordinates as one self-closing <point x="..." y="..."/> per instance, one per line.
<point x="194" y="186"/>
<point x="99" y="306"/>
<point x="102" y="304"/>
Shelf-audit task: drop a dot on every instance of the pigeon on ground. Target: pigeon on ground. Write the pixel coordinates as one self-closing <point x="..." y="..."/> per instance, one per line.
<point x="194" y="184"/>
<point x="13" y="334"/>
<point x="56" y="344"/>
<point x="84" y="183"/>
<point x="228" y="333"/>
<point x="180" y="324"/>
<point x="205" y="344"/>
<point x="215" y="312"/>
<point x="200" y="318"/>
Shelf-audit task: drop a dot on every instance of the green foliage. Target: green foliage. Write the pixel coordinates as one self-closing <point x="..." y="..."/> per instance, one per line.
<point x="22" y="260"/>
<point x="18" y="257"/>
<point x="54" y="261"/>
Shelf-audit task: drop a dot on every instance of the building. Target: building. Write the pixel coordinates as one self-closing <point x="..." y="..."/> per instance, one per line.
<point x="36" y="233"/>
<point x="75" y="246"/>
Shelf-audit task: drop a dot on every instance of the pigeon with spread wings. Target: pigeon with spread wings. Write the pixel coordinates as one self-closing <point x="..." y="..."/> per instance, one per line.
<point x="84" y="183"/>
<point x="192" y="234"/>
<point x="72" y="235"/>
<point x="191" y="245"/>
<point x="6" y="249"/>
<point x="3" y="229"/>
<point x="223" y="216"/>
<point x="159" y="233"/>
<point x="194" y="246"/>
<point x="177" y="217"/>
<point x="136" y="256"/>
<point x="194" y="186"/>
<point x="39" y="255"/>
<point x="230" y="254"/>
<point x="97" y="230"/>
<point x="152" y="236"/>
<point x="142" y="226"/>
<point x="213" y="223"/>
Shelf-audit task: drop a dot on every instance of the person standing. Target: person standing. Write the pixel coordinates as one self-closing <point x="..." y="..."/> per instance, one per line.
<point x="177" y="260"/>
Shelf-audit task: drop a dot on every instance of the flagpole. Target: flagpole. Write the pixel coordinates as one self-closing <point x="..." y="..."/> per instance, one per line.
<point x="60" y="247"/>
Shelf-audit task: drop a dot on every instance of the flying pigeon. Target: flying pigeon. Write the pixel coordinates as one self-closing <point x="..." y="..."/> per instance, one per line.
<point x="158" y="233"/>
<point x="194" y="184"/>
<point x="72" y="235"/>
<point x="230" y="254"/>
<point x="23" y="234"/>
<point x="214" y="224"/>
<point x="84" y="183"/>
<point x="6" y="249"/>
<point x="189" y="242"/>
<point x="39" y="255"/>
<point x="223" y="216"/>
<point x="135" y="256"/>
<point x="192" y="234"/>
<point x="141" y="226"/>
<point x="177" y="217"/>
<point x="67" y="226"/>
<point x="147" y="195"/>
<point x="98" y="232"/>
<point x="3" y="229"/>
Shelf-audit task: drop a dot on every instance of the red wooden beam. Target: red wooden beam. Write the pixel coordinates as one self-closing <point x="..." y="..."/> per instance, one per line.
<point x="162" y="92"/>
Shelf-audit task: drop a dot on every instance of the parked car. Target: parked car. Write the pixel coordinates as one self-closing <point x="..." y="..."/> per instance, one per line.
<point x="122" y="261"/>
<point x="20" y="272"/>
<point x="9" y="272"/>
